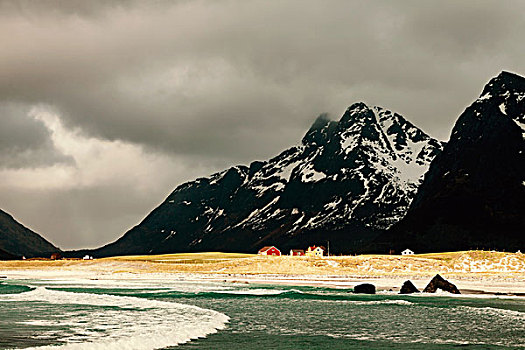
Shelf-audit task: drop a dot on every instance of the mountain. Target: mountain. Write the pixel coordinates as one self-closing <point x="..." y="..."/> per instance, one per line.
<point x="473" y="195"/>
<point x="346" y="182"/>
<point x="17" y="240"/>
<point x="7" y="256"/>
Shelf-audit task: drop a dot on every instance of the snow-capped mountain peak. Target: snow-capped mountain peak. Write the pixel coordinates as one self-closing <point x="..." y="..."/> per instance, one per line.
<point x="355" y="176"/>
<point x="473" y="195"/>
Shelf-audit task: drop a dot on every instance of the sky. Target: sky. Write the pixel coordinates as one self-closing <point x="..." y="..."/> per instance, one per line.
<point x="107" y="106"/>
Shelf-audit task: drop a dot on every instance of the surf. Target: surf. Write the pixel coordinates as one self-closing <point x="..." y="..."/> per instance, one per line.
<point x="103" y="321"/>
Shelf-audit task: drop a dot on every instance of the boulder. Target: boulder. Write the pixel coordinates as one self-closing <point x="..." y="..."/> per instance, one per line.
<point x="365" y="288"/>
<point x="408" y="288"/>
<point x="439" y="282"/>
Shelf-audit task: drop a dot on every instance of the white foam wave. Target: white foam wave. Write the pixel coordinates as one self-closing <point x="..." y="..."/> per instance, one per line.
<point x="382" y="302"/>
<point x="255" y="291"/>
<point x="514" y="314"/>
<point x="466" y="295"/>
<point x="124" y="322"/>
<point x="137" y="286"/>
<point x="371" y="302"/>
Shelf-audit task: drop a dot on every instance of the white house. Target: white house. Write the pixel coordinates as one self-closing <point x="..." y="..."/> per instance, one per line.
<point x="87" y="257"/>
<point x="407" y="252"/>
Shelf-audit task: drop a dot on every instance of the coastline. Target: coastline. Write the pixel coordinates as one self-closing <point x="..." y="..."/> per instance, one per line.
<point x="495" y="273"/>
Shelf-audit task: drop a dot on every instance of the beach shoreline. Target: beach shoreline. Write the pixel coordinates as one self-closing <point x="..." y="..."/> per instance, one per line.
<point x="496" y="274"/>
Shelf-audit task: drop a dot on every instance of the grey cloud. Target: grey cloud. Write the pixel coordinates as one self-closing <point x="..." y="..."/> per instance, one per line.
<point x="24" y="141"/>
<point x="91" y="216"/>
<point x="466" y="28"/>
<point x="285" y="62"/>
<point x="86" y="217"/>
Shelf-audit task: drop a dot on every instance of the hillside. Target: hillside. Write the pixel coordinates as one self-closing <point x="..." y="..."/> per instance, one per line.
<point x="473" y="195"/>
<point x="17" y="240"/>
<point x="346" y="182"/>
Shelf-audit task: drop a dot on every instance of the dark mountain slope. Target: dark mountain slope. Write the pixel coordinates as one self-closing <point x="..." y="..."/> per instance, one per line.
<point x="20" y="241"/>
<point x="346" y="182"/>
<point x="474" y="193"/>
<point x="7" y="256"/>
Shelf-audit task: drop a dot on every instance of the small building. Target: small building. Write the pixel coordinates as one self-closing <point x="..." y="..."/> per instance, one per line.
<point x="296" y="252"/>
<point x="56" y="256"/>
<point x="87" y="257"/>
<point x="407" y="252"/>
<point x="315" y="251"/>
<point x="269" y="250"/>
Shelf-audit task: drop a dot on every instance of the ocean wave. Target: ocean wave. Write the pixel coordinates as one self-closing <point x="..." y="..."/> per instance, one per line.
<point x="260" y="291"/>
<point x="137" y="287"/>
<point x="441" y="293"/>
<point x="487" y="310"/>
<point x="379" y="302"/>
<point x="371" y="302"/>
<point x="122" y="322"/>
<point x="386" y="301"/>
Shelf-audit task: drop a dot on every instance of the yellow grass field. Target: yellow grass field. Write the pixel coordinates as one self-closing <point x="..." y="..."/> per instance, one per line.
<point x="471" y="263"/>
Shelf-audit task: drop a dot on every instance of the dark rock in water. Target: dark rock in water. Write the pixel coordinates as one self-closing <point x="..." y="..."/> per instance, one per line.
<point x="408" y="288"/>
<point x="365" y="288"/>
<point x="439" y="282"/>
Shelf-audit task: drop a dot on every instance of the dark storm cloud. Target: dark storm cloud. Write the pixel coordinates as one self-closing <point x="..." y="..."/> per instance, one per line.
<point x="24" y="141"/>
<point x="226" y="82"/>
<point x="203" y="77"/>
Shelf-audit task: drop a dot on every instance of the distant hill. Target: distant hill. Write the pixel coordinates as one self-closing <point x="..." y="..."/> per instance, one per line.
<point x="7" y="256"/>
<point x="17" y="240"/>
<point x="473" y="195"/>
<point x="346" y="182"/>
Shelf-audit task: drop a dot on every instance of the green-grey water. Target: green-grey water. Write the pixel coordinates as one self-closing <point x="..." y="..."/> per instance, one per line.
<point x="131" y="314"/>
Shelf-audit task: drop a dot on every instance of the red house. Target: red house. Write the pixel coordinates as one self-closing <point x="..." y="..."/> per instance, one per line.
<point x="296" y="252"/>
<point x="56" y="256"/>
<point x="269" y="250"/>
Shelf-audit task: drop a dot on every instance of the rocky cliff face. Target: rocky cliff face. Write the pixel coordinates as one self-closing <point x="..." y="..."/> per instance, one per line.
<point x="474" y="193"/>
<point x="17" y="240"/>
<point x="346" y="182"/>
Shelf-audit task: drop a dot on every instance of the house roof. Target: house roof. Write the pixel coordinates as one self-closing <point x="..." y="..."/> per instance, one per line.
<point x="314" y="247"/>
<point x="263" y="249"/>
<point x="297" y="250"/>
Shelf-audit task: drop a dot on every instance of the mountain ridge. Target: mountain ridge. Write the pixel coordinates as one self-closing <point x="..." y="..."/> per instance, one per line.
<point x="16" y="240"/>
<point x="347" y="181"/>
<point x="473" y="195"/>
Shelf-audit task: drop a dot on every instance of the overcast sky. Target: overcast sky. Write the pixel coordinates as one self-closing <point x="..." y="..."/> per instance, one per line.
<point x="107" y="106"/>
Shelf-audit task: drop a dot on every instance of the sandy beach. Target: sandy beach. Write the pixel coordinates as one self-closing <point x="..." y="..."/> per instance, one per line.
<point x="473" y="272"/>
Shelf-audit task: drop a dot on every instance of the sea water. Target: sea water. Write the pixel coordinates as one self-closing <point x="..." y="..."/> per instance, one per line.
<point x="85" y="314"/>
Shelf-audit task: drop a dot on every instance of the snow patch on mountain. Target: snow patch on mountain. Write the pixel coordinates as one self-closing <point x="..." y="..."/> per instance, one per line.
<point x="360" y="171"/>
